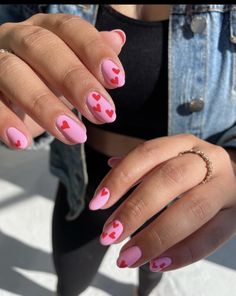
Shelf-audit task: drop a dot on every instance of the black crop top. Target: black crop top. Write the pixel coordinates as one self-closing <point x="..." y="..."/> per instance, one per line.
<point x="142" y="103"/>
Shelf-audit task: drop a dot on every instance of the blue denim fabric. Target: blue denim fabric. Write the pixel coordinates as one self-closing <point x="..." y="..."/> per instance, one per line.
<point x="201" y="65"/>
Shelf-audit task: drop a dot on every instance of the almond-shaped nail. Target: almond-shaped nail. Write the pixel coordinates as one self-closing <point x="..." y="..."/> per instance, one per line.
<point x="129" y="257"/>
<point x="100" y="199"/>
<point x="111" y="233"/>
<point x="16" y="138"/>
<point x="100" y="107"/>
<point x="121" y="34"/>
<point x="112" y="161"/>
<point x="112" y="74"/>
<point x="159" y="264"/>
<point x="71" y="129"/>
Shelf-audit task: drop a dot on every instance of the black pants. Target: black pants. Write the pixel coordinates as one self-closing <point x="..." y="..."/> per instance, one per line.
<point x="77" y="252"/>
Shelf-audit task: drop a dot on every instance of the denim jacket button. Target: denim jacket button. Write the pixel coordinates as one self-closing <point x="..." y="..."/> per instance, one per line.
<point x="198" y="24"/>
<point x="196" y="105"/>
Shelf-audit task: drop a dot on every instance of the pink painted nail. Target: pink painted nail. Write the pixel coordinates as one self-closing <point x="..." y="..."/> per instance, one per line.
<point x="100" y="107"/>
<point x="114" y="160"/>
<point x="16" y="138"/>
<point x="112" y="74"/>
<point x="121" y="34"/>
<point x="129" y="257"/>
<point x="100" y="199"/>
<point x="71" y="129"/>
<point x="111" y="233"/>
<point x="159" y="264"/>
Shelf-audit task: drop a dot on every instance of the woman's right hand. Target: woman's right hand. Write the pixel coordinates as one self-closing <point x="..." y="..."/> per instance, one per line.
<point x="56" y="56"/>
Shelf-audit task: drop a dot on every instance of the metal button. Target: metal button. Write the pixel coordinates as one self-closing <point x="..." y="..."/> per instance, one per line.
<point x="196" y="105"/>
<point x="198" y="24"/>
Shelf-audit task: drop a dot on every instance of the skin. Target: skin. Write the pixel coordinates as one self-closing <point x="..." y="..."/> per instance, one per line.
<point x="40" y="81"/>
<point x="199" y="222"/>
<point x="48" y="62"/>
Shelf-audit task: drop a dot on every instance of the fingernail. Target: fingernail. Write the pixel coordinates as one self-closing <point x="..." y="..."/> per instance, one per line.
<point x="100" y="199"/>
<point x="16" y="138"/>
<point x="129" y="257"/>
<point x="121" y="34"/>
<point x="111" y="233"/>
<point x="112" y="74"/>
<point x="159" y="264"/>
<point x="100" y="107"/>
<point x="71" y="129"/>
<point x="114" y="160"/>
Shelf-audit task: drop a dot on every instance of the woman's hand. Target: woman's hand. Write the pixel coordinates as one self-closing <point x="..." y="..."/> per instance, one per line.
<point x="192" y="226"/>
<point x="54" y="56"/>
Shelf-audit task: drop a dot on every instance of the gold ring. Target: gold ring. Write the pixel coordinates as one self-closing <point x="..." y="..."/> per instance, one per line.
<point x="207" y="161"/>
<point x="4" y="50"/>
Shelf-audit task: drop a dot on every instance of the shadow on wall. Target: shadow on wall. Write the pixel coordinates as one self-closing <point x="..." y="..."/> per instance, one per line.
<point x="111" y="286"/>
<point x="28" y="170"/>
<point x="17" y="254"/>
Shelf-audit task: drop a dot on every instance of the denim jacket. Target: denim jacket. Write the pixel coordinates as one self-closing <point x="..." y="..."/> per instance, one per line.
<point x="202" y="82"/>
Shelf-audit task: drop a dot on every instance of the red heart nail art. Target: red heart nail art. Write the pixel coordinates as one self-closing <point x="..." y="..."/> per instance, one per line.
<point x="97" y="97"/>
<point x="115" y="80"/>
<point x="117" y="71"/>
<point x="162" y="265"/>
<point x="154" y="265"/>
<point x="112" y="235"/>
<point x="65" y="125"/>
<point x="104" y="192"/>
<point x="18" y="143"/>
<point x="104" y="234"/>
<point x="97" y="108"/>
<point x="114" y="224"/>
<point x="123" y="264"/>
<point x="109" y="112"/>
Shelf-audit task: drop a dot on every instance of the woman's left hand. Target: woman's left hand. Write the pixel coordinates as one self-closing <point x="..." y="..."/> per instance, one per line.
<point x="190" y="228"/>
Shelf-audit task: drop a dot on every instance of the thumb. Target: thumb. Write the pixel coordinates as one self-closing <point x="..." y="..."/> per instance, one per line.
<point x="115" y="39"/>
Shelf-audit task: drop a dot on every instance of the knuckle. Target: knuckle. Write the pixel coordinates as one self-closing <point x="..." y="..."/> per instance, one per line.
<point x="190" y="255"/>
<point x="30" y="36"/>
<point x="94" y="42"/>
<point x="39" y="101"/>
<point x="221" y="154"/>
<point x="77" y="73"/>
<point x="6" y="26"/>
<point x="147" y="149"/>
<point x="171" y="173"/>
<point x="199" y="208"/>
<point x="156" y="239"/>
<point x="8" y="64"/>
<point x="124" y="176"/>
<point x="136" y="208"/>
<point x="217" y="237"/>
<point x="63" y="20"/>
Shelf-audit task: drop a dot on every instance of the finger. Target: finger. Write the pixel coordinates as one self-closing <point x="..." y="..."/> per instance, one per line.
<point x="139" y="162"/>
<point x="115" y="41"/>
<point x="43" y="51"/>
<point x="184" y="217"/>
<point x="157" y="190"/>
<point x="32" y="96"/>
<point x="12" y="130"/>
<point x="200" y="244"/>
<point x="112" y="161"/>
<point x="88" y="45"/>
